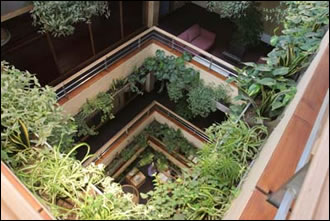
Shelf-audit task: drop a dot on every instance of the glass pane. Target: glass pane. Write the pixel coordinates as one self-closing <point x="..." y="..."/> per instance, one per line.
<point x="106" y="32"/>
<point x="28" y="50"/>
<point x="132" y="16"/>
<point x="74" y="49"/>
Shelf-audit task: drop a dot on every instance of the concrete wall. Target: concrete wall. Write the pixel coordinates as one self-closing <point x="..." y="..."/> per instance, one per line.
<point x="206" y="76"/>
<point x="123" y="70"/>
<point x="73" y="105"/>
<point x="136" y="131"/>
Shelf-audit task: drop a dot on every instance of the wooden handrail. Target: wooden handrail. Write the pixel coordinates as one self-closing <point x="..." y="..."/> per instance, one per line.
<point x="101" y="59"/>
<point x="313" y="199"/>
<point x="139" y="36"/>
<point x="17" y="12"/>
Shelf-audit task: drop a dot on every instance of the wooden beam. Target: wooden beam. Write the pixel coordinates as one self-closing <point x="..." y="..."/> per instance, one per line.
<point x="52" y="50"/>
<point x="128" y="163"/>
<point x="91" y="37"/>
<point x="16" y="13"/>
<point x="121" y="19"/>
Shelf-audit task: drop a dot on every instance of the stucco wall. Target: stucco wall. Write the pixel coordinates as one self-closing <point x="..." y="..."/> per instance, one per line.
<point x="73" y="105"/>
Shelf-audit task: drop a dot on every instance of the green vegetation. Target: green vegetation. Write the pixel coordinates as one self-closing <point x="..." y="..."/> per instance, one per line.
<point x="117" y="84"/>
<point x="207" y="192"/>
<point x="173" y="140"/>
<point x="245" y="15"/>
<point x="270" y="87"/>
<point x="183" y="84"/>
<point x="202" y="99"/>
<point x="30" y="117"/>
<point x="55" y="177"/>
<point x="59" y="17"/>
<point x="22" y="98"/>
<point x="102" y="103"/>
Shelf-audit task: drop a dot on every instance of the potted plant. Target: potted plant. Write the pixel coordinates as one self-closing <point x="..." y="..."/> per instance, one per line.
<point x="93" y="114"/>
<point x="118" y="88"/>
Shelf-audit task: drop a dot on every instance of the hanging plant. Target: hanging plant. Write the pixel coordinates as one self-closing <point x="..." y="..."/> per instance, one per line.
<point x="59" y="17"/>
<point x="102" y="103"/>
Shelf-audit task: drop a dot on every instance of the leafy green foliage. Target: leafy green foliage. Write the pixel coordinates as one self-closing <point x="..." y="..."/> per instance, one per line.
<point x="117" y="84"/>
<point x="270" y="87"/>
<point x="139" y="142"/>
<point x="229" y="9"/>
<point x="22" y="98"/>
<point x="202" y="99"/>
<point x="59" y="17"/>
<point x="173" y="139"/>
<point x="182" y="109"/>
<point x="183" y="84"/>
<point x="206" y="193"/>
<point x="103" y="103"/>
<point x="146" y="159"/>
<point x="135" y="78"/>
<point x="245" y="15"/>
<point x="249" y="28"/>
<point x="53" y="176"/>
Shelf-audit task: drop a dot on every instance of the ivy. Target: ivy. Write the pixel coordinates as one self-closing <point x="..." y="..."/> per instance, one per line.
<point x="102" y="103"/>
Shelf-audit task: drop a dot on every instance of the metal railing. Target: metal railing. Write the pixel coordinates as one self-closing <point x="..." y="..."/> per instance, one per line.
<point x="286" y="194"/>
<point x="183" y="122"/>
<point x="204" y="59"/>
<point x="155" y="107"/>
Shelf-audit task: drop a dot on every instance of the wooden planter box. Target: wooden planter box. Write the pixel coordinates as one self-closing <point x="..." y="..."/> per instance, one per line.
<point x="121" y="98"/>
<point x="150" y="82"/>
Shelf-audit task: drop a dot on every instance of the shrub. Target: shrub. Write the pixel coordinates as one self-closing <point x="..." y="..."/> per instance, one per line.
<point x="22" y="98"/>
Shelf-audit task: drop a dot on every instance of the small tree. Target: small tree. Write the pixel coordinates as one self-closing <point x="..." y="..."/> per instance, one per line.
<point x="58" y="17"/>
<point x="245" y="15"/>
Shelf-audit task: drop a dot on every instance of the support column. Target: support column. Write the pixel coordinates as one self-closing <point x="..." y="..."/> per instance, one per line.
<point x="152" y="13"/>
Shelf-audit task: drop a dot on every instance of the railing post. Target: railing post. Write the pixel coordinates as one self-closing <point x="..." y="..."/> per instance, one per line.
<point x="211" y="61"/>
<point x="105" y="63"/>
<point x="64" y="91"/>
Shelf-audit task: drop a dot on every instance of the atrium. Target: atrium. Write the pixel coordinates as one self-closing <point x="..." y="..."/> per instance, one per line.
<point x="165" y="110"/>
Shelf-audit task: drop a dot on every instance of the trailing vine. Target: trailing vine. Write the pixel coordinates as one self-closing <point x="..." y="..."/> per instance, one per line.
<point x="102" y="103"/>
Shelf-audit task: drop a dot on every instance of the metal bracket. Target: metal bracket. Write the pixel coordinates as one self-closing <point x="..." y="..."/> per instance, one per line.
<point x="293" y="185"/>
